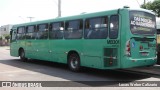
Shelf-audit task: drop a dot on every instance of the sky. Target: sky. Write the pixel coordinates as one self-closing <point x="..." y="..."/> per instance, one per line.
<point x="18" y="11"/>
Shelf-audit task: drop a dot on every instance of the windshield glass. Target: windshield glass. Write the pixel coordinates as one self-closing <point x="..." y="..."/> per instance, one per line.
<point x="142" y="23"/>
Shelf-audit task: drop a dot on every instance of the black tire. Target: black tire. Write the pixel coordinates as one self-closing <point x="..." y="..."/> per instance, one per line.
<point x="22" y="55"/>
<point x="74" y="62"/>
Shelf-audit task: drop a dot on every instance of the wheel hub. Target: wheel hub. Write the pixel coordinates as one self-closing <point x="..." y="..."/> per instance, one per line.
<point x="74" y="62"/>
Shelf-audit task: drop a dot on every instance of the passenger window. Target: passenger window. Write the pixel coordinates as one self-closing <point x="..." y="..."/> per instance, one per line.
<point x="114" y="27"/>
<point x="42" y="31"/>
<point x="96" y="28"/>
<point x="21" y="33"/>
<point x="73" y="29"/>
<point x="14" y="33"/>
<point x="31" y="34"/>
<point x="56" y="30"/>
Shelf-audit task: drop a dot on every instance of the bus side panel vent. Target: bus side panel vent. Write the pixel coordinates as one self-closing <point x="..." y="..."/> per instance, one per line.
<point x="110" y="57"/>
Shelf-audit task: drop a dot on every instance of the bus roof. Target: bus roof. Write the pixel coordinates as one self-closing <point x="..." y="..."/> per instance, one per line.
<point x="85" y="15"/>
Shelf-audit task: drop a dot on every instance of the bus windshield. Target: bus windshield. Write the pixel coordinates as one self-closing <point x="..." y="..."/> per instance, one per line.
<point x="142" y="23"/>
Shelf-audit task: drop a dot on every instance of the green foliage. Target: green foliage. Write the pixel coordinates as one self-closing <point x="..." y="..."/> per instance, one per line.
<point x="155" y="6"/>
<point x="147" y="5"/>
<point x="7" y="36"/>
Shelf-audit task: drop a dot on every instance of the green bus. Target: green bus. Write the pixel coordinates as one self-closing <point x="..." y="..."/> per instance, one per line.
<point x="113" y="39"/>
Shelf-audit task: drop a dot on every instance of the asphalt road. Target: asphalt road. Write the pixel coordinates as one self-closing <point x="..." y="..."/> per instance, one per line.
<point x="12" y="69"/>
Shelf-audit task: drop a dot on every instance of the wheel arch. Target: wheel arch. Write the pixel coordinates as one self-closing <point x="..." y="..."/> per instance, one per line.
<point x="71" y="52"/>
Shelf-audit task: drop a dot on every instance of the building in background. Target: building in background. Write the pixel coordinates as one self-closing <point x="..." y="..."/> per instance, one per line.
<point x="5" y="29"/>
<point x="4" y="34"/>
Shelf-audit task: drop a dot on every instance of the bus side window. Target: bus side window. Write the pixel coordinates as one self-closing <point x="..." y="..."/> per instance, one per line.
<point x="56" y="30"/>
<point x="21" y="33"/>
<point x="73" y="29"/>
<point x="114" y="27"/>
<point x="96" y="28"/>
<point x="42" y="31"/>
<point x="86" y="31"/>
<point x="30" y="34"/>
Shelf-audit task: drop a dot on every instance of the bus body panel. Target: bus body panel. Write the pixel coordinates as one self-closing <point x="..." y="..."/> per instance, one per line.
<point x="60" y="48"/>
<point x="14" y="49"/>
<point x="31" y="49"/>
<point x="144" y="57"/>
<point x="42" y="49"/>
<point x="92" y="53"/>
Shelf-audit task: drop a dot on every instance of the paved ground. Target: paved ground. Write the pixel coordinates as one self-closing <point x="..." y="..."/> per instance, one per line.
<point x="12" y="69"/>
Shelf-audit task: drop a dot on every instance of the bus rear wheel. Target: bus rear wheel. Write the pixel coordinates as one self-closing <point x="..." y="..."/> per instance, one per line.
<point x="74" y="62"/>
<point x="22" y="55"/>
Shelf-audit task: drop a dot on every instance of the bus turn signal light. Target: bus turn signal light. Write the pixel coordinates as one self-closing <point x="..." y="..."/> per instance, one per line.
<point x="128" y="49"/>
<point x="111" y="60"/>
<point x="141" y="47"/>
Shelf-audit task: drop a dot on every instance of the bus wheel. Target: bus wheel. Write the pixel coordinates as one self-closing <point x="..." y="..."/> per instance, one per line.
<point x="74" y="62"/>
<point x="22" y="55"/>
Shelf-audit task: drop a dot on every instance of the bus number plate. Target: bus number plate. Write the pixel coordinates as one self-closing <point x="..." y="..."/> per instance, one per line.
<point x="144" y="53"/>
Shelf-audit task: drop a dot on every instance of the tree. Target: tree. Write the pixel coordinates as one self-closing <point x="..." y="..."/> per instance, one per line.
<point x="7" y="37"/>
<point x="155" y="6"/>
<point x="148" y="5"/>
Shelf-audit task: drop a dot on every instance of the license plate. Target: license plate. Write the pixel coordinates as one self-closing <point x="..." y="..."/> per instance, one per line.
<point x="144" y="54"/>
